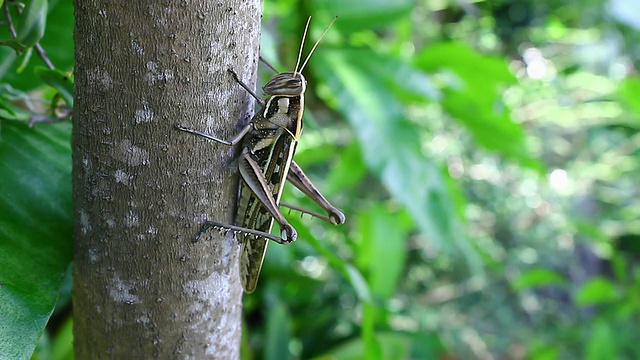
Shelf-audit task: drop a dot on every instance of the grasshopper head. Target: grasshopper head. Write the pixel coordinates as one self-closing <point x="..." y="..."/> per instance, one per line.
<point x="287" y="84"/>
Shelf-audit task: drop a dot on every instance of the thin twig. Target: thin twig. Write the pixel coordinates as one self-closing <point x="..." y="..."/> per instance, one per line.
<point x="43" y="55"/>
<point x="7" y="16"/>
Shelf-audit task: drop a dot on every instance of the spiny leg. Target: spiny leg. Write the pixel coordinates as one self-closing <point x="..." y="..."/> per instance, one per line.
<point x="300" y="180"/>
<point x="303" y="211"/>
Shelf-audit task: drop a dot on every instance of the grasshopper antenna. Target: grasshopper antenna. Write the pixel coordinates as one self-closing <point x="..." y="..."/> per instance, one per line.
<point x="304" y="36"/>
<point x="316" y="44"/>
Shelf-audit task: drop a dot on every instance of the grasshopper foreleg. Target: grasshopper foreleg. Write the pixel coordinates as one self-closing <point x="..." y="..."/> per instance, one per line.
<point x="234" y="140"/>
<point x="246" y="87"/>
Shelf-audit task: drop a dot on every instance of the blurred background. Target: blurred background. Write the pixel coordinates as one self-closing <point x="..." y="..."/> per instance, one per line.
<point x="486" y="156"/>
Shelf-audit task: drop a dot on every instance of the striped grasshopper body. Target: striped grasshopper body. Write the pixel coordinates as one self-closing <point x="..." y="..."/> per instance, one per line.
<point x="266" y="161"/>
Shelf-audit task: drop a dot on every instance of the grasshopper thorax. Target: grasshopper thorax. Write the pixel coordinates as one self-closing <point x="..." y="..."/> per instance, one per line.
<point x="286" y="84"/>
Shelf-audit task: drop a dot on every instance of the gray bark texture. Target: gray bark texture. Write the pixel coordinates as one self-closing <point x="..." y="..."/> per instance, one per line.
<point x="142" y="288"/>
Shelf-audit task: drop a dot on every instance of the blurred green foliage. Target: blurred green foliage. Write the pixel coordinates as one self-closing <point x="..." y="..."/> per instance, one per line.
<point x="486" y="154"/>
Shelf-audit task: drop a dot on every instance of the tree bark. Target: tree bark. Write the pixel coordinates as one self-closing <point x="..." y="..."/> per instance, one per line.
<point x="142" y="287"/>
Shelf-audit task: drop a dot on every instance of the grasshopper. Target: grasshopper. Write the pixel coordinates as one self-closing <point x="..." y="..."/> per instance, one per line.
<point x="269" y="142"/>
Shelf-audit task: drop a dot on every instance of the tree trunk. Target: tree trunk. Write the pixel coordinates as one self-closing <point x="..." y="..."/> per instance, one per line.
<point x="142" y="189"/>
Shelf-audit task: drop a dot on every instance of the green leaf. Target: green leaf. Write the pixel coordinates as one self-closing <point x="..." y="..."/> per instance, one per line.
<point x="627" y="93"/>
<point x="10" y="112"/>
<point x="538" y="277"/>
<point x="14" y="44"/>
<point x="393" y="346"/>
<point x="278" y="332"/>
<point x="355" y="15"/>
<point x="32" y="23"/>
<point x="545" y="352"/>
<point x="473" y="95"/>
<point x="56" y="346"/>
<point x="7" y="111"/>
<point x="58" y="80"/>
<point x="8" y="97"/>
<point x="383" y="250"/>
<point x="25" y="60"/>
<point x="372" y="347"/>
<point x="7" y="60"/>
<point x="598" y="290"/>
<point x="391" y="144"/>
<point x="358" y="283"/>
<point x="601" y="344"/>
<point x="35" y="228"/>
<point x="348" y="170"/>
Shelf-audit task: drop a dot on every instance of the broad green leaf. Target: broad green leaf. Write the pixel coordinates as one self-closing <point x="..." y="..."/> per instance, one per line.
<point x="472" y="67"/>
<point x="35" y="230"/>
<point x="56" y="346"/>
<point x="58" y="80"/>
<point x="358" y="282"/>
<point x="403" y="82"/>
<point x="545" y="352"/>
<point x="58" y="38"/>
<point x="392" y="346"/>
<point x="278" y="332"/>
<point x="355" y="15"/>
<point x="383" y="250"/>
<point x="473" y="96"/>
<point x="627" y="93"/>
<point x="10" y="96"/>
<point x="348" y="170"/>
<point x="7" y="111"/>
<point x="538" y="277"/>
<point x="10" y="112"/>
<point x="598" y="290"/>
<point x="7" y="58"/>
<point x="62" y="347"/>
<point x="601" y="343"/>
<point x="17" y="46"/>
<point x="32" y="22"/>
<point x="391" y="144"/>
<point x="372" y="347"/>
<point x="619" y="265"/>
